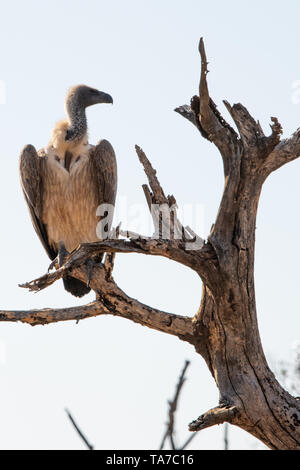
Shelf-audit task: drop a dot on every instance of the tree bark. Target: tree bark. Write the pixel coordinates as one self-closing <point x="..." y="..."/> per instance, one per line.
<point x="224" y="331"/>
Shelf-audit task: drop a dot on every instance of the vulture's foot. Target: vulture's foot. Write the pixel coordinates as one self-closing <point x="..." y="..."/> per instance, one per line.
<point x="54" y="264"/>
<point x="60" y="259"/>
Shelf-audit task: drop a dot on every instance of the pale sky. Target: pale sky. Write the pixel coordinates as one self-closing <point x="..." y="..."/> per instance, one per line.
<point x="113" y="375"/>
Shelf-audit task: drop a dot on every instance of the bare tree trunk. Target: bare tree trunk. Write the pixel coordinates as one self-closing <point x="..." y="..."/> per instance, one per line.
<point x="224" y="330"/>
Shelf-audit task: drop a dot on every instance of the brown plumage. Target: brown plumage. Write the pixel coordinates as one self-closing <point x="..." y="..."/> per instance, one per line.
<point x="65" y="183"/>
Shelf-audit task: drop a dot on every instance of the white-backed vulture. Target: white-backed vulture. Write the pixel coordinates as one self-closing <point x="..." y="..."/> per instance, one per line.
<point x="65" y="182"/>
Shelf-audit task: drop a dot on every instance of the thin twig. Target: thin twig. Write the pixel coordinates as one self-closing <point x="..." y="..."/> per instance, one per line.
<point x="82" y="436"/>
<point x="226" y="436"/>
<point x="188" y="441"/>
<point x="172" y="409"/>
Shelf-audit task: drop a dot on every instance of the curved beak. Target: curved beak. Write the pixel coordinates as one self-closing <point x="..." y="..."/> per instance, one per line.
<point x="104" y="98"/>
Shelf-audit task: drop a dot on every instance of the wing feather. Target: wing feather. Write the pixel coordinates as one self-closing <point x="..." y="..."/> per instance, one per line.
<point x="31" y="171"/>
<point x="104" y="173"/>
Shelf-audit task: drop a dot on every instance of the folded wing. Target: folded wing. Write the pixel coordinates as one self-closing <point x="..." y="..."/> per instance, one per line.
<point x="31" y="173"/>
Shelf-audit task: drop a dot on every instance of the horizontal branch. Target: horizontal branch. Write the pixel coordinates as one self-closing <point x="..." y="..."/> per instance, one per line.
<point x="111" y="300"/>
<point x="218" y="415"/>
<point x="52" y="315"/>
<point x="171" y="249"/>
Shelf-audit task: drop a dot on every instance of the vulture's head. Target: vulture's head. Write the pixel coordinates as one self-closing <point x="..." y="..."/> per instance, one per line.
<point x="83" y="96"/>
<point x="78" y="98"/>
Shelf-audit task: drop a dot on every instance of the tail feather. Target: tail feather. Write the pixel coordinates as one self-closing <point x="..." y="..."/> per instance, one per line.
<point x="75" y="287"/>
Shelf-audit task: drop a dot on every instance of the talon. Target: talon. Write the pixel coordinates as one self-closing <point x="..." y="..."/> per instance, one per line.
<point x="54" y="264"/>
<point x="60" y="258"/>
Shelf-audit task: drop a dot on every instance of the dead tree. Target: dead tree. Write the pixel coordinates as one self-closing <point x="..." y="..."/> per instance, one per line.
<point x="224" y="331"/>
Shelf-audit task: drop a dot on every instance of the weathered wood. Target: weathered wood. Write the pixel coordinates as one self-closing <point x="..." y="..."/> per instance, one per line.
<point x="218" y="415"/>
<point x="224" y="330"/>
<point x="111" y="300"/>
<point x="226" y="322"/>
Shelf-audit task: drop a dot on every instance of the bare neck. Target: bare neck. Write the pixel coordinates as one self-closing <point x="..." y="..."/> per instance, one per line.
<point x="77" y="119"/>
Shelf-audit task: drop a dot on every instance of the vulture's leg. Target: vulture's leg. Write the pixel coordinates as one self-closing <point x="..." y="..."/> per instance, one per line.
<point x="62" y="254"/>
<point x="53" y="264"/>
<point x="60" y="258"/>
<point x="90" y="263"/>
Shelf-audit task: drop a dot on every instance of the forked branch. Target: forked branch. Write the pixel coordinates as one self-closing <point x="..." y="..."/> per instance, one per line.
<point x="169" y="433"/>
